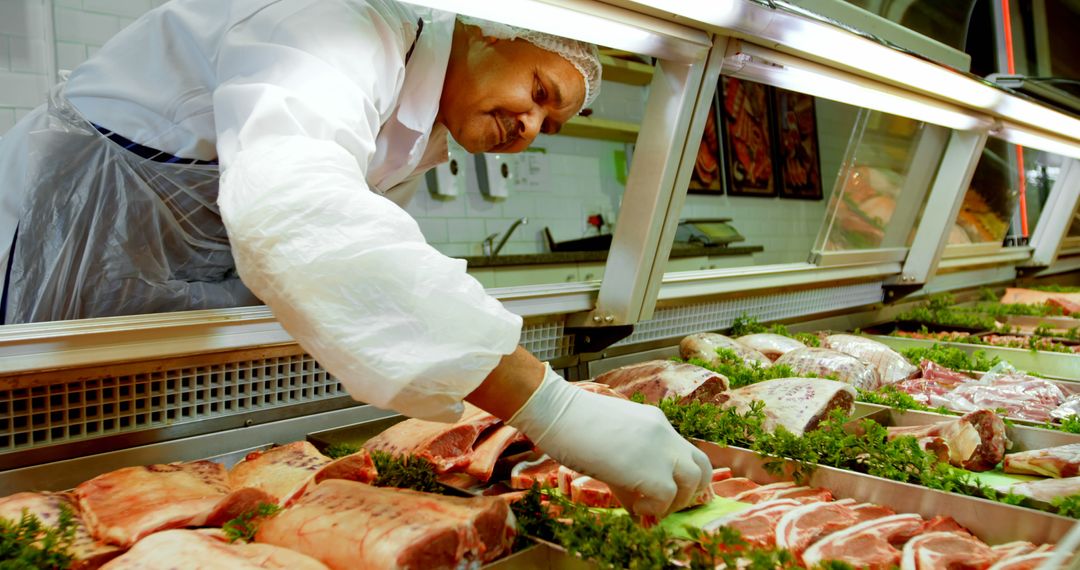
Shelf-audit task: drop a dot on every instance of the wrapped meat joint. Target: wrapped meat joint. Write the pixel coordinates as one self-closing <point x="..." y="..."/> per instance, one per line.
<point x="661" y="379"/>
<point x="773" y="346"/>
<point x="825" y="363"/>
<point x="704" y="345"/>
<point x="798" y="404"/>
<point x="891" y="366"/>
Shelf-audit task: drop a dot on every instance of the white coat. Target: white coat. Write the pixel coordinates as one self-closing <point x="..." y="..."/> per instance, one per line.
<point x="320" y="125"/>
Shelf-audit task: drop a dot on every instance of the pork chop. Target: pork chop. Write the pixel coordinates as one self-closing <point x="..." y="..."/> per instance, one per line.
<point x="757" y="525"/>
<point x="950" y="550"/>
<point x="871" y="544"/>
<point x="805" y="525"/>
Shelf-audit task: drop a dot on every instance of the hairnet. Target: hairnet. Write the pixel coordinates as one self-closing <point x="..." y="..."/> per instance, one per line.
<point x="582" y="55"/>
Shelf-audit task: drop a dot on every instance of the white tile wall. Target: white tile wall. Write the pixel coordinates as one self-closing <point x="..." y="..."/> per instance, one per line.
<point x="24" y="68"/>
<point x="583" y="180"/>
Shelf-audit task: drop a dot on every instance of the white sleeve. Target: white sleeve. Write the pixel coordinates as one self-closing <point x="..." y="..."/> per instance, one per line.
<point x="346" y="271"/>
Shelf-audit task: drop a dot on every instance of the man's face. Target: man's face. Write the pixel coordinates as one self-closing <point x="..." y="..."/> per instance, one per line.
<point x="499" y="94"/>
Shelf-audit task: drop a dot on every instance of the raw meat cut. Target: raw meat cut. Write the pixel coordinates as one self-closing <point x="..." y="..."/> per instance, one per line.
<point x="869" y="511"/>
<point x="173" y="549"/>
<point x="763" y="492"/>
<point x="657" y="380"/>
<point x="871" y="544"/>
<point x="773" y="346"/>
<point x="448" y="446"/>
<point x="947" y="376"/>
<point x="824" y="362"/>
<point x="125" y="505"/>
<point x="805" y="495"/>
<point x="598" y="388"/>
<point x="729" y="488"/>
<point x="542" y="471"/>
<point x="891" y="366"/>
<point x="287" y="471"/>
<point x="1011" y="549"/>
<point x="1062" y="461"/>
<point x="350" y="525"/>
<point x="721" y="473"/>
<point x="490" y="448"/>
<point x="1070" y="407"/>
<point x="944" y="523"/>
<point x="283" y="471"/>
<point x="86" y="552"/>
<point x="1035" y="297"/>
<point x="1045" y="490"/>
<point x="1021" y="396"/>
<point x="758" y="523"/>
<point x="704" y="345"/>
<point x="1068" y="307"/>
<point x="933" y="550"/>
<point x="975" y="441"/>
<point x="805" y="525"/>
<point x="585" y="490"/>
<point x="1025" y="562"/>
<point x="565" y="476"/>
<point x="798" y="404"/>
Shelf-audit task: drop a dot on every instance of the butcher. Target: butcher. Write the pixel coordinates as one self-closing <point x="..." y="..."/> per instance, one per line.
<point x="222" y="153"/>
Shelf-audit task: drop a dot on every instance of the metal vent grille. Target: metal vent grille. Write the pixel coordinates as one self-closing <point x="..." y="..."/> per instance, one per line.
<point x="672" y="322"/>
<point x="546" y="340"/>
<point x="85" y="409"/>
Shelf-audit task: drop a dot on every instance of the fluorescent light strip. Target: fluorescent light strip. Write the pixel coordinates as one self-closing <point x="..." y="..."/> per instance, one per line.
<point x="1025" y="137"/>
<point x="603" y="25"/>
<point x="807" y="77"/>
<point x="833" y="44"/>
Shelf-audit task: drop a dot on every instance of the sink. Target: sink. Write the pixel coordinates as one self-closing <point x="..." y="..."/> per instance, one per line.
<point x="593" y="243"/>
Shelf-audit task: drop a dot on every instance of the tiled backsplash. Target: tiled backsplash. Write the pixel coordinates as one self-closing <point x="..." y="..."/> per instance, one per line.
<point x="582" y="177"/>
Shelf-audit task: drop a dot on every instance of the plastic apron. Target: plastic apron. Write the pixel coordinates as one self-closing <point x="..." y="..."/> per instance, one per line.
<point x="104" y="232"/>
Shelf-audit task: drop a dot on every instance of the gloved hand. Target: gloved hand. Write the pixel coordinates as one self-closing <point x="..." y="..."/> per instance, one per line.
<point x="651" y="468"/>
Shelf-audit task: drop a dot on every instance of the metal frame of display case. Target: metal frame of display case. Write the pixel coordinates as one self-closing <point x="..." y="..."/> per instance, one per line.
<point x="687" y="38"/>
<point x="1057" y="215"/>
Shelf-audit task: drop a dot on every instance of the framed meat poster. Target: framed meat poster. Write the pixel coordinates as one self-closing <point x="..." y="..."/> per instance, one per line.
<point x="707" y="177"/>
<point x="746" y="130"/>
<point x="797" y="145"/>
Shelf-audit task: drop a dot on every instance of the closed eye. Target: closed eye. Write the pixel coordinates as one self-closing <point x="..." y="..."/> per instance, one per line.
<point x="539" y="92"/>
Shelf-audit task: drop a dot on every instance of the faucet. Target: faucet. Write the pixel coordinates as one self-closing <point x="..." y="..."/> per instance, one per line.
<point x="488" y="245"/>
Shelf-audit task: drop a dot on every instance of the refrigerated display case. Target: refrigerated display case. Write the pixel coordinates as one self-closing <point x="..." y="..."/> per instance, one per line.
<point x="78" y="398"/>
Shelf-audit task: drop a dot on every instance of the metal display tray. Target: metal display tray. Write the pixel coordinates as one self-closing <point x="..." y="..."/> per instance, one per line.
<point x="991" y="521"/>
<point x="1023" y="437"/>
<point x="1055" y="365"/>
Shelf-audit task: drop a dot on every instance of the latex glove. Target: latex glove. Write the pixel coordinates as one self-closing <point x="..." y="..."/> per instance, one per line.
<point x="651" y="468"/>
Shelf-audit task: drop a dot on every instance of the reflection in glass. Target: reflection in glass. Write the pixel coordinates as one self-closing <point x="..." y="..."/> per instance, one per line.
<point x="878" y="163"/>
<point x="990" y="199"/>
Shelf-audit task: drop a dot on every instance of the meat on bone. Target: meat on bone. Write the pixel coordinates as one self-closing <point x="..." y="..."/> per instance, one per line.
<point x="975" y="441"/>
<point x="348" y="525"/>
<point x="174" y="549"/>
<point x="1062" y="461"/>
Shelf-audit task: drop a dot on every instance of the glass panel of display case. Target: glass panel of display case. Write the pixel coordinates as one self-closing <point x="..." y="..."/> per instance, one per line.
<point x="771" y="166"/>
<point x="991" y="198"/>
<point x="880" y="187"/>
<point x="1041" y="170"/>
